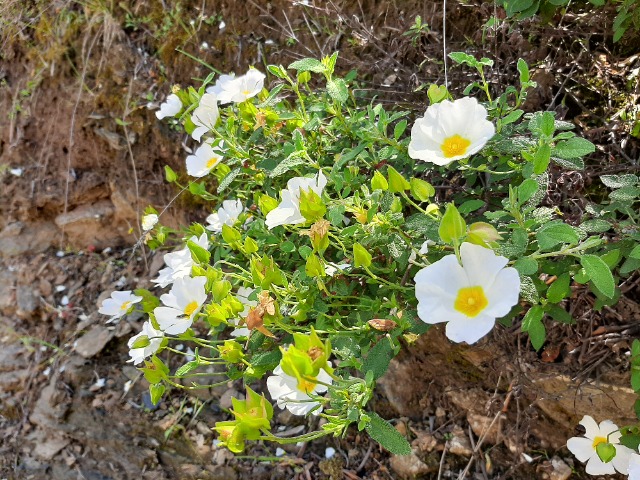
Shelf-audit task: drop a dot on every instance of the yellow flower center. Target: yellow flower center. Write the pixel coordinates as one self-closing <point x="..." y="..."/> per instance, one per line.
<point x="212" y="161"/>
<point x="125" y="306"/>
<point x="597" y="441"/>
<point x="245" y="92"/>
<point x="454" y="145"/>
<point x="306" y="386"/>
<point x="189" y="309"/>
<point x="470" y="301"/>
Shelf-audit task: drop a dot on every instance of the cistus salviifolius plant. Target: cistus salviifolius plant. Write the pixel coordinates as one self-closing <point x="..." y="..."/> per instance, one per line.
<point x="326" y="244"/>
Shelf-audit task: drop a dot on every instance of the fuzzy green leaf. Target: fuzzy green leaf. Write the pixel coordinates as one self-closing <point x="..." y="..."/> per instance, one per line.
<point x="599" y="273"/>
<point x="387" y="436"/>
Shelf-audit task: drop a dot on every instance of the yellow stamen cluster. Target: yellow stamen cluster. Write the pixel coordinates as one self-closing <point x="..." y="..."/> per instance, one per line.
<point x="471" y="301"/>
<point x="190" y="308"/>
<point x="454" y="145"/>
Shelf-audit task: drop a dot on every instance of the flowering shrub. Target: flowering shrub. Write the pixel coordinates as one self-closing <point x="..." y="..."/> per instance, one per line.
<point x="327" y="244"/>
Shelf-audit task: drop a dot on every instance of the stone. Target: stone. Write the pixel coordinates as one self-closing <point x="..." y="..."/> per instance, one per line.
<point x="27" y="301"/>
<point x="92" y="342"/>
<point x="93" y="224"/>
<point x="481" y="426"/>
<point x="425" y="442"/>
<point x="459" y="443"/>
<point x="19" y="238"/>
<point x="47" y="444"/>
<point x="410" y="466"/>
<point x="7" y="290"/>
<point x="225" y="399"/>
<point x="561" y="471"/>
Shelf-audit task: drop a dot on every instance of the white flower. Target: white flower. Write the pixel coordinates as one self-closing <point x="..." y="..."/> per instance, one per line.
<point x="170" y="108"/>
<point x="222" y="81"/>
<point x="288" y="211"/>
<point x="118" y="304"/>
<point x="182" y="304"/>
<point x="241" y="88"/>
<point x="424" y="249"/>
<point x="179" y="263"/>
<point x="470" y="297"/>
<point x="150" y="340"/>
<point x="331" y="268"/>
<point x="634" y="467"/>
<point x="227" y="214"/>
<point x="204" y="159"/>
<point x="450" y="131"/>
<point x="205" y="115"/>
<point x="243" y="296"/>
<point x="584" y="448"/>
<point x="149" y="221"/>
<point x="284" y="389"/>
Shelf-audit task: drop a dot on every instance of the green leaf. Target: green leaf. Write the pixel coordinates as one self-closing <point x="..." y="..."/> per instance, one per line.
<point x="515" y="6"/>
<point x="452" y="226"/>
<point x="461" y="57"/>
<point x="595" y="225"/>
<point x="575" y="147"/>
<point x="308" y="65"/>
<point x="397" y="183"/>
<point x="532" y="324"/>
<point x="625" y="194"/>
<point x="606" y="451"/>
<point x="201" y="255"/>
<point x="186" y="368"/>
<point x="361" y="256"/>
<point x="399" y="129"/>
<point x="619" y="181"/>
<point x="526" y="266"/>
<point x="541" y="159"/>
<point x="635" y="253"/>
<point x="559" y="314"/>
<point x="169" y="174"/>
<point x="387" y="436"/>
<point x="523" y="70"/>
<point x="599" y="273"/>
<point x="338" y="90"/>
<point x="471" y="206"/>
<point x="230" y="177"/>
<point x="156" y="391"/>
<point x="437" y="93"/>
<point x="377" y="361"/>
<point x="559" y="289"/>
<point x="277" y="70"/>
<point x="378" y="182"/>
<point x="294" y="160"/>
<point x="547" y="124"/>
<point x="526" y="190"/>
<point x="512" y="117"/>
<point x="554" y="233"/>
<point x="421" y="190"/>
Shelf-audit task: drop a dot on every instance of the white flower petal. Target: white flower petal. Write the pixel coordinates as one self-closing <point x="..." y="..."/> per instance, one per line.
<point x="591" y="427"/>
<point x="481" y="264"/>
<point x="170" y="108"/>
<point x="504" y="293"/>
<point x="582" y="448"/>
<point x="622" y="459"/>
<point x="595" y="466"/>
<point x="470" y="330"/>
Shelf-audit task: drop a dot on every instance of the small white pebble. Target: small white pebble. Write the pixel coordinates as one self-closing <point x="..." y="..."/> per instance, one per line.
<point x="107" y="250"/>
<point x="204" y="46"/>
<point x="215" y="443"/>
<point x="60" y="288"/>
<point x="62" y="368"/>
<point x="280" y="452"/>
<point x="222" y="25"/>
<point x="47" y="371"/>
<point x="83" y="317"/>
<point x="64" y="301"/>
<point x="121" y="282"/>
<point x="16" y="171"/>
<point x="528" y="458"/>
<point x="127" y="386"/>
<point x="179" y="347"/>
<point x="59" y="254"/>
<point x="329" y="452"/>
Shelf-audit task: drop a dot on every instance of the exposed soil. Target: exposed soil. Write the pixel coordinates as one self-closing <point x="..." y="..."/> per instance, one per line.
<point x="77" y="80"/>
